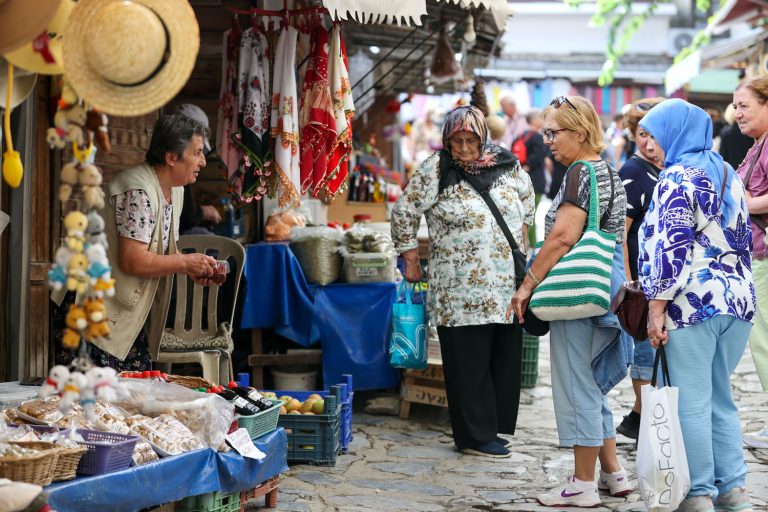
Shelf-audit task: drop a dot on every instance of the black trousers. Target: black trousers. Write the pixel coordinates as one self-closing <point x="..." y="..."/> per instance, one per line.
<point x="482" y="366"/>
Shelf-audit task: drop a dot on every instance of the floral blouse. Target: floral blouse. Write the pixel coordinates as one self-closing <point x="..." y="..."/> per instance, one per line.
<point x="471" y="272"/>
<point x="136" y="220"/>
<point x="694" y="253"/>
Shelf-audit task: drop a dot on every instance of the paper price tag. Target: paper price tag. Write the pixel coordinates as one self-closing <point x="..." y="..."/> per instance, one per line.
<point x="241" y="441"/>
<point x="114" y="411"/>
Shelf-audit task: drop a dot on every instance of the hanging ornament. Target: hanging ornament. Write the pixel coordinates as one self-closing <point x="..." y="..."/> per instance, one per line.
<point x="13" y="171"/>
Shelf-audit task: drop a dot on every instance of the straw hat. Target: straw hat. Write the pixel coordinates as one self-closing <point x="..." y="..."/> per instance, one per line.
<point x="128" y="58"/>
<point x="28" y="58"/>
<point x="21" y="21"/>
<point x="23" y="83"/>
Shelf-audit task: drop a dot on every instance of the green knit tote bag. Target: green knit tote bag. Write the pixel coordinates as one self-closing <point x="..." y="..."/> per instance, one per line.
<point x="579" y="285"/>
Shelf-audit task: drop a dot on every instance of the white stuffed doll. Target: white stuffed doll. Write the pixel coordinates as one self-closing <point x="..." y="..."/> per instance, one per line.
<point x="53" y="385"/>
<point x="71" y="391"/>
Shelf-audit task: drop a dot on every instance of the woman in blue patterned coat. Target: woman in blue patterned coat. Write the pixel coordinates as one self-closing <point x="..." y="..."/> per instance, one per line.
<point x="695" y="269"/>
<point x="471" y="274"/>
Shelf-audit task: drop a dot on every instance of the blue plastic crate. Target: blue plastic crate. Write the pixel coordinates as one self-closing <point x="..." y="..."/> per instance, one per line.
<point x="314" y="438"/>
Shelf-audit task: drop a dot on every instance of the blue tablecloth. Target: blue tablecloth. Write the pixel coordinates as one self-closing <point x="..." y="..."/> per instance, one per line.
<point x="351" y="321"/>
<point x="172" y="479"/>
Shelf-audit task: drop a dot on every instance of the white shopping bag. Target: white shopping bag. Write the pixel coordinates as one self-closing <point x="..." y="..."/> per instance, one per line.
<point x="662" y="467"/>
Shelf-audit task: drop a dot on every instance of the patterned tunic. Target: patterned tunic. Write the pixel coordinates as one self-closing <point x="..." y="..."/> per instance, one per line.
<point x="136" y="220"/>
<point x="471" y="272"/>
<point x="695" y="254"/>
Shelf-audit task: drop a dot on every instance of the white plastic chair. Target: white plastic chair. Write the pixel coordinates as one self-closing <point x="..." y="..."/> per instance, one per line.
<point x="198" y="334"/>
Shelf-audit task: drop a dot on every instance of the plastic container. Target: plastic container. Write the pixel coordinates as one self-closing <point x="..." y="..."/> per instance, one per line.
<point x="346" y="413"/>
<point x="300" y="381"/>
<point x="210" y="502"/>
<point x="369" y="267"/>
<point x="530" y="371"/>
<point x="314" y="438"/>
<point x="107" y="452"/>
<point x="13" y="394"/>
<point x="263" y="422"/>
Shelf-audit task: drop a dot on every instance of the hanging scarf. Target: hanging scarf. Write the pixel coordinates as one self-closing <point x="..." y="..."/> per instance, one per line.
<point x="285" y="119"/>
<point x="318" y="125"/>
<point x="344" y="111"/>
<point x="493" y="163"/>
<point x="229" y="100"/>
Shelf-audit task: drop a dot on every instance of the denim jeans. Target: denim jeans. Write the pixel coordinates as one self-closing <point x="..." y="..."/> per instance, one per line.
<point x="642" y="367"/>
<point x="701" y="359"/>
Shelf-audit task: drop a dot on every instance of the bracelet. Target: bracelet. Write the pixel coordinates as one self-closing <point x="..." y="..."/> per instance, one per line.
<point x="533" y="277"/>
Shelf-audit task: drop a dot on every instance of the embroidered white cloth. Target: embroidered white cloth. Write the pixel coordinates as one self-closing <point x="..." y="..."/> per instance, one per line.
<point x="285" y="119"/>
<point x="376" y="11"/>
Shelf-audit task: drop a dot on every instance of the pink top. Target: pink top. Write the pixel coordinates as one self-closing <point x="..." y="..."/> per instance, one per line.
<point x="757" y="186"/>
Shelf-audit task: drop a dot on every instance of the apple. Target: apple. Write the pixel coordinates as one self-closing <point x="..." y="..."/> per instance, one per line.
<point x="307" y="405"/>
<point x="293" y="405"/>
<point x="314" y="396"/>
<point x="318" y="406"/>
<point x="285" y="398"/>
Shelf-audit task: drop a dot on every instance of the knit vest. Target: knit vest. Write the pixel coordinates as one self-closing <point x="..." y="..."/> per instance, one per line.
<point x="137" y="298"/>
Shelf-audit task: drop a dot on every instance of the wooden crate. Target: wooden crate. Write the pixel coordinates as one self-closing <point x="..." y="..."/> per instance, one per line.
<point x="425" y="386"/>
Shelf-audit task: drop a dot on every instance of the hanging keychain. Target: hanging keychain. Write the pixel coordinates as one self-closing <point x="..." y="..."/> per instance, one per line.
<point x="13" y="171"/>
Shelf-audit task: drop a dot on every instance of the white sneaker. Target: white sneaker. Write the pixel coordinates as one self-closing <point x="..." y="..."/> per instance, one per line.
<point x="617" y="483"/>
<point x="569" y="495"/>
<point x="756" y="439"/>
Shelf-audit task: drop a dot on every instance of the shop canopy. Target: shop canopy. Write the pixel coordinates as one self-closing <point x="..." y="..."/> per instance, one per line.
<point x="408" y="12"/>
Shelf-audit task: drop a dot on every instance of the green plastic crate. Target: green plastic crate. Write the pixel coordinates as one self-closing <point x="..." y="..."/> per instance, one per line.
<point x="530" y="371"/>
<point x="262" y="422"/>
<point x="210" y="502"/>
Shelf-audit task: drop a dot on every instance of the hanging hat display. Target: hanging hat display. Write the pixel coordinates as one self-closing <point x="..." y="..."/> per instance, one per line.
<point x="128" y="58"/>
<point x="22" y="20"/>
<point x="43" y="54"/>
<point x="23" y="83"/>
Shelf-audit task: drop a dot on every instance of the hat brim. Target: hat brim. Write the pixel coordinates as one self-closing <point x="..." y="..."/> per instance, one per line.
<point x="184" y="37"/>
<point x="23" y="83"/>
<point x="27" y="58"/>
<point x="21" y="21"/>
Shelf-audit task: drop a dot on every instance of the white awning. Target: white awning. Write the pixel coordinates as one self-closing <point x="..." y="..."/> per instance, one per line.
<point x="407" y="12"/>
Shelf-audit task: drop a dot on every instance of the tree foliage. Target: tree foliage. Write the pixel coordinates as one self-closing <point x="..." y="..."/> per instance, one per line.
<point x="623" y="25"/>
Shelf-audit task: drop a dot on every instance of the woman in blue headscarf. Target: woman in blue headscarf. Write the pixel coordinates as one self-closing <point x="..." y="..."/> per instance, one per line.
<point x="695" y="269"/>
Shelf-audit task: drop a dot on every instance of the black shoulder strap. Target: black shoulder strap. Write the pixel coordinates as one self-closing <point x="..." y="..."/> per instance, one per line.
<point x="517" y="255"/>
<point x="607" y="214"/>
<point x="650" y="167"/>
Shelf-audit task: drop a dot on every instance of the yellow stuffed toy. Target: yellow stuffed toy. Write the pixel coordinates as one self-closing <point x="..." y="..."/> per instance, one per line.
<point x="97" y="319"/>
<point x="76" y="323"/>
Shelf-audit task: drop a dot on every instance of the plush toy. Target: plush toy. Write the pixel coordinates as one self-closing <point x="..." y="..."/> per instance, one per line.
<point x="75" y="123"/>
<point x="88" y="398"/>
<point x="104" y="288"/>
<point x="77" y="322"/>
<point x="77" y="273"/>
<point x="57" y="275"/>
<point x="55" y="381"/>
<point x="97" y="319"/>
<point x="105" y="383"/>
<point x="69" y="175"/>
<point x="70" y="393"/>
<point x="97" y="124"/>
<point x="90" y="183"/>
<point x="99" y="264"/>
<point x="75" y="223"/>
<point x="95" y="229"/>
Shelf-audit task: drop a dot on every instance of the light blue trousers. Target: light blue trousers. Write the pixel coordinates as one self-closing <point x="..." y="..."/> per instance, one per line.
<point x="701" y="359"/>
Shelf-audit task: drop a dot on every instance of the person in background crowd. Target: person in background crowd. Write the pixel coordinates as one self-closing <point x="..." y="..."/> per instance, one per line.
<point x="194" y="216"/>
<point x="142" y="221"/>
<point x="750" y="101"/>
<point x="695" y="270"/>
<point x="717" y="123"/>
<point x="496" y="128"/>
<point x="584" y="420"/>
<point x="425" y="136"/>
<point x="536" y="152"/>
<point x="639" y="175"/>
<point x="614" y="137"/>
<point x="734" y="145"/>
<point x="516" y="123"/>
<point x="471" y="274"/>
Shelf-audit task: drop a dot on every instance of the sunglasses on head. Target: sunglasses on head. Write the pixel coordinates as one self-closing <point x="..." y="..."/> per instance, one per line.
<point x="557" y="102"/>
<point x="644" y="107"/>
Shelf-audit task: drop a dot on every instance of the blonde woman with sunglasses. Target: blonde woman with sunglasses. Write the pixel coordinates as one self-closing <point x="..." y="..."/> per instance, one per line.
<point x="584" y="420"/>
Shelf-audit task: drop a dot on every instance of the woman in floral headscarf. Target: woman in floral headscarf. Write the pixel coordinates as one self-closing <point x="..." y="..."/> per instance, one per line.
<point x="471" y="274"/>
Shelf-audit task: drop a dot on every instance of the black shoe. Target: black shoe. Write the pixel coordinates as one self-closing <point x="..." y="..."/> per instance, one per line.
<point x="630" y="425"/>
<point x="492" y="449"/>
<point x="503" y="442"/>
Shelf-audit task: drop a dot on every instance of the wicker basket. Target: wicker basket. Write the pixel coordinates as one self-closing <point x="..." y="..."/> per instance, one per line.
<point x="66" y="466"/>
<point x="36" y="468"/>
<point x="190" y="382"/>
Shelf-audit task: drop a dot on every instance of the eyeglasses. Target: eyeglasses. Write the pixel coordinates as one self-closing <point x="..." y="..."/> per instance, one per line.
<point x="644" y="107"/>
<point x="557" y="102"/>
<point x="550" y="134"/>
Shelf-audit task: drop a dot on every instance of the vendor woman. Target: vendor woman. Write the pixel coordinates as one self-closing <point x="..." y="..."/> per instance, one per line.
<point x="142" y="227"/>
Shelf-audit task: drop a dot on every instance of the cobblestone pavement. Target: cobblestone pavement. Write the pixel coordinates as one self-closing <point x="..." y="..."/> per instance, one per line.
<point x="411" y="465"/>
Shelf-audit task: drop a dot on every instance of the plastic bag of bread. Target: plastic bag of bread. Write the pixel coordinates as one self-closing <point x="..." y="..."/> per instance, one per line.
<point x="207" y="415"/>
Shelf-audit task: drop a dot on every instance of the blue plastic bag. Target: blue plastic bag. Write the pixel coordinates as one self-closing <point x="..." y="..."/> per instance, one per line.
<point x="408" y="344"/>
